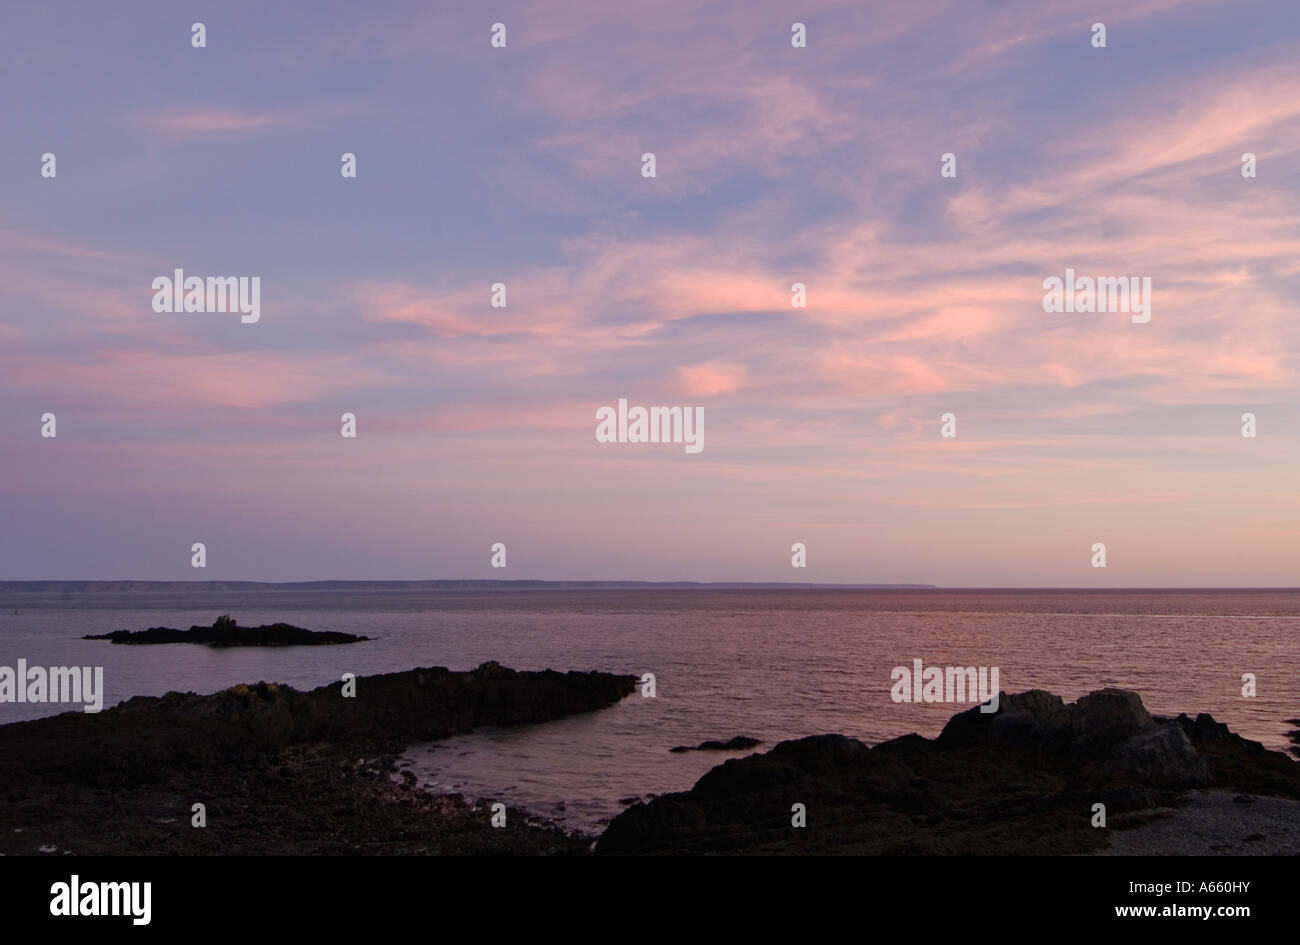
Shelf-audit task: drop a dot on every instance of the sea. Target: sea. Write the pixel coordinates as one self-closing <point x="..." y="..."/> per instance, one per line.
<point x="768" y="663"/>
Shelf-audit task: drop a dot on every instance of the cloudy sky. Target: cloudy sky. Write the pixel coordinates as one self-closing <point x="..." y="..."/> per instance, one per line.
<point x="774" y="165"/>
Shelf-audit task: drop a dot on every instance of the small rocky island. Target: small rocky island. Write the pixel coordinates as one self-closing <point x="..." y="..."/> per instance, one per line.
<point x="226" y="632"/>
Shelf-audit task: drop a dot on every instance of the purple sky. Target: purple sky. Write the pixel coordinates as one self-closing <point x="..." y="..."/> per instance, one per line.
<point x="775" y="165"/>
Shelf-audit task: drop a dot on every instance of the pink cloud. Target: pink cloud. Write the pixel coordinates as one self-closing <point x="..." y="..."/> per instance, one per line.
<point x="219" y="120"/>
<point x="244" y="380"/>
<point x="711" y="378"/>
<point x="198" y="121"/>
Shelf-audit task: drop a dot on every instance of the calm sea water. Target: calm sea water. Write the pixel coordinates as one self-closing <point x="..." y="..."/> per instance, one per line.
<point x="772" y="664"/>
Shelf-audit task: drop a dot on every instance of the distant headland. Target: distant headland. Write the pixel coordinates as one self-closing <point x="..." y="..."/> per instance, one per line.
<point x="92" y="587"/>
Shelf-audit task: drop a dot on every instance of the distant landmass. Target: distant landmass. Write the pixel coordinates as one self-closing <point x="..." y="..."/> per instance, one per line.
<point x="96" y="587"/>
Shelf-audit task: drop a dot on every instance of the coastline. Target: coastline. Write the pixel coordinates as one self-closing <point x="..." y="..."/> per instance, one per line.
<point x="283" y="772"/>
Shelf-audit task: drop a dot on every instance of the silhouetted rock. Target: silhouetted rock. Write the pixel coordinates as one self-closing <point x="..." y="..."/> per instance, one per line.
<point x="1020" y="780"/>
<point x="1110" y="727"/>
<point x="1294" y="735"/>
<point x="287" y="771"/>
<point x="1102" y="720"/>
<point x="1035" y="720"/>
<point x="225" y="632"/>
<point x="1236" y="762"/>
<point x="737" y="743"/>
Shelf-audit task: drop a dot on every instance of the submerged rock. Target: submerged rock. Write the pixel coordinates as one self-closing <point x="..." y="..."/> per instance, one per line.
<point x="737" y="743"/>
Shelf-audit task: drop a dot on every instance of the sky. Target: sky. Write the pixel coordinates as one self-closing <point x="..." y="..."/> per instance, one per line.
<point x="774" y="165"/>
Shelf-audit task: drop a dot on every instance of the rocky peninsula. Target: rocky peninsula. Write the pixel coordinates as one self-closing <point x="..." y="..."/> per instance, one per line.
<point x="278" y="771"/>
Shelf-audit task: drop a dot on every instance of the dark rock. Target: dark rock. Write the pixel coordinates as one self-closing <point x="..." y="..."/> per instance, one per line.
<point x="225" y="632"/>
<point x="1233" y="761"/>
<point x="1036" y="720"/>
<point x="306" y="772"/>
<point x="1020" y="780"/>
<point x="1102" y="720"/>
<point x="1204" y="729"/>
<point x="1110" y="726"/>
<point x="738" y="743"/>
<point x="1162" y="756"/>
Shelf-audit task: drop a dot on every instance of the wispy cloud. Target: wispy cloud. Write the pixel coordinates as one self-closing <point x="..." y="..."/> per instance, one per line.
<point x="775" y="165"/>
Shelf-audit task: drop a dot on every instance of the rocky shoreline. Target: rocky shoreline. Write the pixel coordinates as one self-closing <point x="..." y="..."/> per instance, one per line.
<point x="279" y="771"/>
<point x="1023" y="780"/>
<point x="286" y="772"/>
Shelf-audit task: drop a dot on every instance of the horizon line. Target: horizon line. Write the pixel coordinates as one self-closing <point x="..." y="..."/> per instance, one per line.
<point x="538" y="583"/>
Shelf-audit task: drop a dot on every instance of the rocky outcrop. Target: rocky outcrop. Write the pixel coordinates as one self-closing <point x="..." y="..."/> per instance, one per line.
<point x="1236" y="762"/>
<point x="1021" y="780"/>
<point x="1108" y="728"/>
<point x="388" y="711"/>
<point x="281" y="771"/>
<point x="226" y="632"/>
